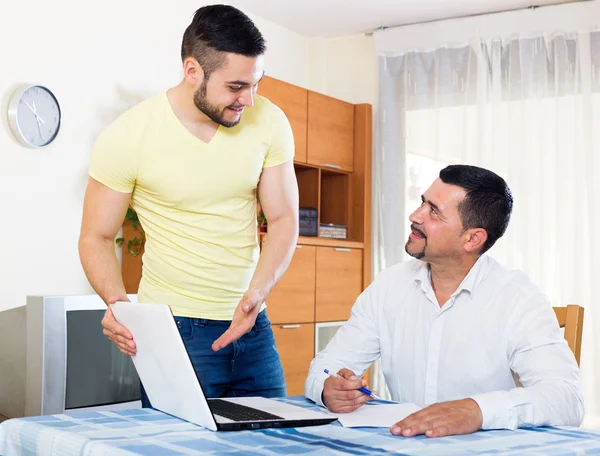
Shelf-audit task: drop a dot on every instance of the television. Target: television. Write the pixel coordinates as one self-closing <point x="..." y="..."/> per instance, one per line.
<point x="66" y="362"/>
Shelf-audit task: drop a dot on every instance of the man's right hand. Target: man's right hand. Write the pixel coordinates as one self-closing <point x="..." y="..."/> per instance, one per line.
<point x="116" y="332"/>
<point x="342" y="395"/>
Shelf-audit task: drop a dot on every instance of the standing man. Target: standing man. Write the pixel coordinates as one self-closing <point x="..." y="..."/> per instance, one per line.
<point x="192" y="162"/>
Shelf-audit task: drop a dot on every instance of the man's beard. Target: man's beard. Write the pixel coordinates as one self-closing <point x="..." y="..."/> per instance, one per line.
<point x="418" y="255"/>
<point x="211" y="111"/>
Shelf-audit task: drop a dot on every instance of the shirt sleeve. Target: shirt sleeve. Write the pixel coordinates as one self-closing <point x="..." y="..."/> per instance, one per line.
<point x="355" y="345"/>
<point x="551" y="388"/>
<point x="281" y="149"/>
<point x="113" y="160"/>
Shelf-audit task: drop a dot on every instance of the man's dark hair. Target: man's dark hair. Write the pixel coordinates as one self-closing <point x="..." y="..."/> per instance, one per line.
<point x="488" y="203"/>
<point x="217" y="30"/>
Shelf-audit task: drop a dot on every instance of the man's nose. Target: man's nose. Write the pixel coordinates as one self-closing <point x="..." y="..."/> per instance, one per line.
<point x="247" y="99"/>
<point x="416" y="216"/>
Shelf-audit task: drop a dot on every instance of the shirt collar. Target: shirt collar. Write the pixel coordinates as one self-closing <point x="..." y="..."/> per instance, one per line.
<point x="469" y="283"/>
<point x="423" y="276"/>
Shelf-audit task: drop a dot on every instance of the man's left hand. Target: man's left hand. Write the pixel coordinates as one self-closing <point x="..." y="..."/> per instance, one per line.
<point x="442" y="419"/>
<point x="243" y="319"/>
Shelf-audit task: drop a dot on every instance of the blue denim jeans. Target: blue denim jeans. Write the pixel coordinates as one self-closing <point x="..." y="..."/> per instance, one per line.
<point x="250" y="366"/>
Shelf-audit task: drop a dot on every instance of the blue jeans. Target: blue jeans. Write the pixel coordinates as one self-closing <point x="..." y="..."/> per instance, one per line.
<point x="250" y="366"/>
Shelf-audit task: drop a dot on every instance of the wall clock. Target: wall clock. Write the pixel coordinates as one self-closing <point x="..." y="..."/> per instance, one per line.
<point x="34" y="116"/>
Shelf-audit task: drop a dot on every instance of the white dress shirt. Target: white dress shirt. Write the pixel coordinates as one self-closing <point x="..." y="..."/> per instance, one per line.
<point x="495" y="333"/>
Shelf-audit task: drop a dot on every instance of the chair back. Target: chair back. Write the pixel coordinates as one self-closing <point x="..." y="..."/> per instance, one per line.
<point x="571" y="318"/>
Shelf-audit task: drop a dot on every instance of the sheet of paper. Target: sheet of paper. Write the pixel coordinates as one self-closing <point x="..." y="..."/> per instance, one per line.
<point x="376" y="414"/>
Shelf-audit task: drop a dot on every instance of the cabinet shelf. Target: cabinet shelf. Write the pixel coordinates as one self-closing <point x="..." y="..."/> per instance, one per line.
<point x="325" y="242"/>
<point x="328" y="169"/>
<point x="328" y="242"/>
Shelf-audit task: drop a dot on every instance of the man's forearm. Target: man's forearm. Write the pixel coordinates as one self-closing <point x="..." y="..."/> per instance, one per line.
<point x="553" y="403"/>
<point x="276" y="254"/>
<point x="102" y="267"/>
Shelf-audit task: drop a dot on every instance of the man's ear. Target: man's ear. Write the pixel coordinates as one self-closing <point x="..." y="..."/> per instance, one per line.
<point x="475" y="239"/>
<point x="192" y="71"/>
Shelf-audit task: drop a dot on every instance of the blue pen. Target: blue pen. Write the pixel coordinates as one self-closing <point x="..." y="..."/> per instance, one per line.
<point x="362" y="390"/>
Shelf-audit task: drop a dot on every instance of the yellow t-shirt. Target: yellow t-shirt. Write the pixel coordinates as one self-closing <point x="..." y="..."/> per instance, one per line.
<point x="196" y="201"/>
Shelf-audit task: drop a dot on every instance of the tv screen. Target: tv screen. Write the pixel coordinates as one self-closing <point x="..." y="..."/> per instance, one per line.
<point x="97" y="372"/>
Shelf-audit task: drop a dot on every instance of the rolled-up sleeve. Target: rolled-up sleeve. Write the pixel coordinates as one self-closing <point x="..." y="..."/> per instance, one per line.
<point x="551" y="388"/>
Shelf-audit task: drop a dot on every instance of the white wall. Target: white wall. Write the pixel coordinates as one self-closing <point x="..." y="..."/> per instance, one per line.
<point x="345" y="68"/>
<point x="97" y="68"/>
<point x="287" y="56"/>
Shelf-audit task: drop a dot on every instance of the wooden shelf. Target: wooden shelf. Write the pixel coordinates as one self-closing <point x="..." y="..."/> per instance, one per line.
<point x="326" y="242"/>
<point x="298" y="164"/>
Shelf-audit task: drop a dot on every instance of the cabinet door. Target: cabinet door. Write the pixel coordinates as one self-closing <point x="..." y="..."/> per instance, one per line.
<point x="292" y="300"/>
<point x="339" y="282"/>
<point x="330" y="132"/>
<point x="293" y="101"/>
<point x="296" y="346"/>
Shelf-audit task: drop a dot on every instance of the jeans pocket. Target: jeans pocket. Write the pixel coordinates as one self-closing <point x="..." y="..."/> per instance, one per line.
<point x="185" y="327"/>
<point x="262" y="322"/>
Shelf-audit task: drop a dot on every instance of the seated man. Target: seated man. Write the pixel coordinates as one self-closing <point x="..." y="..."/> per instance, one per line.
<point x="473" y="342"/>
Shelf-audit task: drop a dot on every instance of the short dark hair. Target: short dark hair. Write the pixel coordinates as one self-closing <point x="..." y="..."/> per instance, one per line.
<point x="219" y="29"/>
<point x="488" y="203"/>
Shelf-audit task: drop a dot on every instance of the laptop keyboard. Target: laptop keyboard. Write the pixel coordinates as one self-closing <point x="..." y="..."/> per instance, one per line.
<point x="237" y="412"/>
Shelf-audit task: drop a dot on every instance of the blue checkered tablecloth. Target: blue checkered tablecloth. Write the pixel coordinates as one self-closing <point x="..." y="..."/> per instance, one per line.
<point x="149" y="432"/>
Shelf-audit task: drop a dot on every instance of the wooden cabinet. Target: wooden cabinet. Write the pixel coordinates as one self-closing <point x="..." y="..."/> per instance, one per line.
<point x="323" y="126"/>
<point x="339" y="282"/>
<point x="296" y="346"/>
<point x="330" y="132"/>
<point x="293" y="101"/>
<point x="293" y="298"/>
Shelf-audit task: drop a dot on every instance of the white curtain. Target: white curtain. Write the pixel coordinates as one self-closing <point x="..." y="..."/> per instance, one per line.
<point x="528" y="109"/>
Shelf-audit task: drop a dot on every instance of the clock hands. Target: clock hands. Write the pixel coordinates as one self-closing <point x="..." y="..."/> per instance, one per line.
<point x="34" y="111"/>
<point x="40" y="128"/>
<point x="38" y="119"/>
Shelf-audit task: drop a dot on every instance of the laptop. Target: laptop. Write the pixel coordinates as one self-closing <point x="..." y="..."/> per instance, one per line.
<point x="166" y="371"/>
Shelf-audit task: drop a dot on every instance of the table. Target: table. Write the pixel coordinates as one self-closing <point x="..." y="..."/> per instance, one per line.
<point x="149" y="432"/>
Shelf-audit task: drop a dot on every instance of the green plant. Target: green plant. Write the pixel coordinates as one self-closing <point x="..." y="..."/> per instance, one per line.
<point x="262" y="220"/>
<point x="134" y="246"/>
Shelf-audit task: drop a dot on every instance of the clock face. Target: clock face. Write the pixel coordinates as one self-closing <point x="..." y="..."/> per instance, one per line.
<point x="35" y="116"/>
